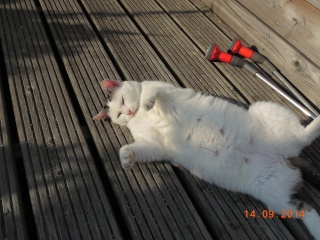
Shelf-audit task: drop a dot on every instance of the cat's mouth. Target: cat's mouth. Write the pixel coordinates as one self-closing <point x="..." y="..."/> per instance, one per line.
<point x="134" y="113"/>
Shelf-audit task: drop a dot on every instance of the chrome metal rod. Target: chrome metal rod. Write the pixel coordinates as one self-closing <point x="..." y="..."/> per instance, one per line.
<point x="286" y="96"/>
<point x="295" y="93"/>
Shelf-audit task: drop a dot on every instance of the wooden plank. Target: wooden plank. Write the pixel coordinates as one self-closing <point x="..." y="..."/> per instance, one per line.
<point x="315" y="3"/>
<point x="295" y="21"/>
<point x="183" y="57"/>
<point x="237" y="228"/>
<point x="300" y="71"/>
<point x="222" y="26"/>
<point x="149" y="211"/>
<point x="12" y="219"/>
<point x="67" y="197"/>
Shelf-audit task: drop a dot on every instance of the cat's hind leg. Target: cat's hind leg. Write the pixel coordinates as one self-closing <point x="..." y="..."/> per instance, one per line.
<point x="312" y="221"/>
<point x="282" y="128"/>
<point x="140" y="152"/>
<point x="285" y="197"/>
<point x="288" y="204"/>
<point x="294" y="208"/>
<point x="290" y="209"/>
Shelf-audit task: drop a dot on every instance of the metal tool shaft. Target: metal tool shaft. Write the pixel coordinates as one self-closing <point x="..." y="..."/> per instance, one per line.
<point x="295" y="93"/>
<point x="286" y="96"/>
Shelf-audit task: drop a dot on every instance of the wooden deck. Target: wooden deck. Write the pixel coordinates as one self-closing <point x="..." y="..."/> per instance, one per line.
<point x="60" y="176"/>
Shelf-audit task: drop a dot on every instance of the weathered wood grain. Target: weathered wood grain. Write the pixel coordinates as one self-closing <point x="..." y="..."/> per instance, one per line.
<point x="300" y="71"/>
<point x="183" y="57"/>
<point x="67" y="197"/>
<point x="315" y="3"/>
<point x="149" y="211"/>
<point x="12" y="218"/>
<point x="295" y="21"/>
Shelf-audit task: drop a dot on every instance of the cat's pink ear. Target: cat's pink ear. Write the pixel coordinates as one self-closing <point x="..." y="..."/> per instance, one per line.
<point x="110" y="85"/>
<point x="102" y="115"/>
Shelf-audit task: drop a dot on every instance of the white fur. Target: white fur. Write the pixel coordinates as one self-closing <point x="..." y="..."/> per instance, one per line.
<point x="312" y="222"/>
<point x="217" y="141"/>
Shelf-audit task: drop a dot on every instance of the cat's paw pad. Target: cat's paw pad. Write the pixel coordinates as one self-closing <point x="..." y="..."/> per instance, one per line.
<point x="126" y="157"/>
<point x="149" y="103"/>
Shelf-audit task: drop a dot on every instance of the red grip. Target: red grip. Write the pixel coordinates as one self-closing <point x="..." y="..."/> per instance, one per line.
<point x="217" y="54"/>
<point x="243" y="51"/>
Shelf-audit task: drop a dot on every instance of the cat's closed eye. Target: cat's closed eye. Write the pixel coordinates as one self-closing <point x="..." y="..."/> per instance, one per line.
<point x="119" y="114"/>
<point x="122" y="101"/>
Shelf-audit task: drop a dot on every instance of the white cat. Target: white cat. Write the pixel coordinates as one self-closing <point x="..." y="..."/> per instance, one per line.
<point x="241" y="150"/>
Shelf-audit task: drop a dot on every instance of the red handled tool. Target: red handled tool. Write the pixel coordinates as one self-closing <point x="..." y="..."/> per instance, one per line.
<point x="215" y="54"/>
<point x="238" y="48"/>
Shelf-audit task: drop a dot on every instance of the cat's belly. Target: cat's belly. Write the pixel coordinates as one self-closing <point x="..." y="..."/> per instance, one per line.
<point x="224" y="164"/>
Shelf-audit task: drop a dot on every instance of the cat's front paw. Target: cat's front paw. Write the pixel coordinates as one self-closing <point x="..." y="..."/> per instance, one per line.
<point x="126" y="157"/>
<point x="149" y="102"/>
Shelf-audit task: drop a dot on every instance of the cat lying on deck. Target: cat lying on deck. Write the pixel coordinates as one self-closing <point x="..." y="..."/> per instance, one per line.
<point x="250" y="151"/>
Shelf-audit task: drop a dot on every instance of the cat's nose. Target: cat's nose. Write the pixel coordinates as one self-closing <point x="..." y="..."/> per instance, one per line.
<point x="129" y="112"/>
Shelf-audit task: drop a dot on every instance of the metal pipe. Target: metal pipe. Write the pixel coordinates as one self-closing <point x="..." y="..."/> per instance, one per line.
<point x="295" y="93"/>
<point x="287" y="97"/>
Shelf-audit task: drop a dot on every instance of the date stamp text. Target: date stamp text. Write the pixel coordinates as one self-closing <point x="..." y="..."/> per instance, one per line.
<point x="272" y="214"/>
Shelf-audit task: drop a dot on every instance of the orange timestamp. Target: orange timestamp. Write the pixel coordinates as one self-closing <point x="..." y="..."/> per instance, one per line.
<point x="272" y="214"/>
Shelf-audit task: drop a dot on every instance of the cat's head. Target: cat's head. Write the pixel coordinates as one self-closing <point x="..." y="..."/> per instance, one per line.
<point x="124" y="102"/>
